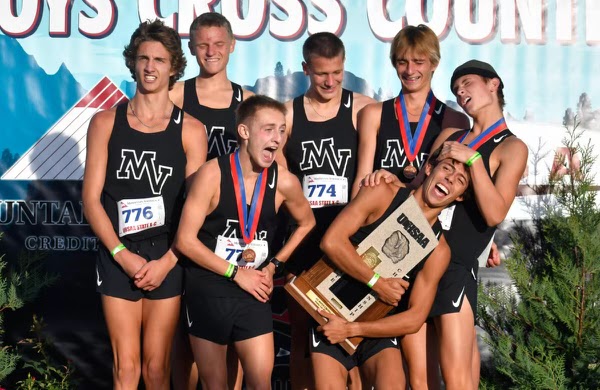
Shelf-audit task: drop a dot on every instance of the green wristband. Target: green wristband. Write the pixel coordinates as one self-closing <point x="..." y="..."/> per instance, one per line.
<point x="373" y="280"/>
<point x="473" y="158"/>
<point x="229" y="271"/>
<point x="117" y="249"/>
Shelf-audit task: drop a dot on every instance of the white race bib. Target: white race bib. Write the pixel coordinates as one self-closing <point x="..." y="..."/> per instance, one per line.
<point x="445" y="217"/>
<point x="325" y="190"/>
<point x="231" y="250"/>
<point x="136" y="215"/>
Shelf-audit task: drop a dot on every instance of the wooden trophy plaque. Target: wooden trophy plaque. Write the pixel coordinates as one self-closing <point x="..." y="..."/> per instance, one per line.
<point x="395" y="247"/>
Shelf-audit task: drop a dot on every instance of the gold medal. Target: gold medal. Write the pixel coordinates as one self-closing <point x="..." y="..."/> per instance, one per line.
<point x="248" y="255"/>
<point x="410" y="172"/>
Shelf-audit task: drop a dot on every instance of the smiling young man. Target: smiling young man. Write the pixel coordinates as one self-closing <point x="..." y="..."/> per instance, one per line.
<point x="379" y="356"/>
<point x="397" y="134"/>
<point x="321" y="152"/>
<point x="139" y="156"/>
<point x="496" y="161"/>
<point x="226" y="229"/>
<point x="211" y="97"/>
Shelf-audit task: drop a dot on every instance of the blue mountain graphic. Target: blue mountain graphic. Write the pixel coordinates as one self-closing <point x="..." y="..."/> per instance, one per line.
<point x="33" y="100"/>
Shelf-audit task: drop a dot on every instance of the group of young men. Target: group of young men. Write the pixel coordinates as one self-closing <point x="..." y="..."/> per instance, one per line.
<point x="184" y="183"/>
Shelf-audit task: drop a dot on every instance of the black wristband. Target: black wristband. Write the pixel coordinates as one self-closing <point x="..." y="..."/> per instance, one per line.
<point x="277" y="263"/>
<point x="233" y="273"/>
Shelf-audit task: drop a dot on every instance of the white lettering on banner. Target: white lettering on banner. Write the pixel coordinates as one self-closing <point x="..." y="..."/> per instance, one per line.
<point x="41" y="212"/>
<point x="531" y="14"/>
<point x="20" y="25"/>
<point x="103" y="23"/>
<point x="249" y="26"/>
<point x="61" y="243"/>
<point x="335" y="17"/>
<point x="484" y="14"/>
<point x="475" y="21"/>
<point x="438" y="22"/>
<point x="291" y="27"/>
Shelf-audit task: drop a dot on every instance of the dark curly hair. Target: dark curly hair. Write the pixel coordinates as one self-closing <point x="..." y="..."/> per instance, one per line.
<point x="158" y="32"/>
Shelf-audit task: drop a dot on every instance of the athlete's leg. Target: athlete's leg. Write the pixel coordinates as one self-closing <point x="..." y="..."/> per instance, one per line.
<point x="414" y="350"/>
<point x="329" y="373"/>
<point x="354" y="381"/>
<point x="301" y="376"/>
<point x="235" y="374"/>
<point x="258" y="357"/>
<point x="184" y="373"/>
<point x="124" y="323"/>
<point x="383" y="371"/>
<point x="159" y="319"/>
<point x="455" y="331"/>
<point x="211" y="362"/>
<point x="434" y="380"/>
<point x="476" y="363"/>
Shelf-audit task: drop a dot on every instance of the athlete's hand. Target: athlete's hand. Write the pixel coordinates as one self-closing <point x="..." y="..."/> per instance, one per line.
<point x="269" y="272"/>
<point x="336" y="329"/>
<point x="130" y="262"/>
<point x="374" y="178"/>
<point x="493" y="257"/>
<point x="254" y="282"/>
<point x="154" y="273"/>
<point x="456" y="151"/>
<point x="390" y="290"/>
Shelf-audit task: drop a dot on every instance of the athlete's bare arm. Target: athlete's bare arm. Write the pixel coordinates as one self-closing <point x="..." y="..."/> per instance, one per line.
<point x="455" y="120"/>
<point x="93" y="181"/>
<point x="194" y="140"/>
<point x="360" y="102"/>
<point x="407" y="322"/>
<point x="367" y="207"/>
<point x="494" y="195"/>
<point x="289" y="195"/>
<point x="369" y="119"/>
<point x="202" y="199"/>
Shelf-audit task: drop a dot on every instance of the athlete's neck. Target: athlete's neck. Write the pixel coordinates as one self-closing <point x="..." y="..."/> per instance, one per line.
<point x="483" y="120"/>
<point x="217" y="81"/>
<point x="318" y="100"/>
<point x="250" y="169"/>
<point x="415" y="101"/>
<point x="430" y="213"/>
<point x="150" y="105"/>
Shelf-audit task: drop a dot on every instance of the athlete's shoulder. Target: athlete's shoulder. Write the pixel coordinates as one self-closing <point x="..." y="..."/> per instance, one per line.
<point x="372" y="108"/>
<point x="514" y="146"/>
<point x="192" y="123"/>
<point x="209" y="172"/>
<point x="176" y="93"/>
<point x="247" y="93"/>
<point x="455" y="119"/>
<point x="103" y="120"/>
<point x="360" y="100"/>
<point x="287" y="182"/>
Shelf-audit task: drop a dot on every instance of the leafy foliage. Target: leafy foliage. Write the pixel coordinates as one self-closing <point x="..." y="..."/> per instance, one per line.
<point x="544" y="329"/>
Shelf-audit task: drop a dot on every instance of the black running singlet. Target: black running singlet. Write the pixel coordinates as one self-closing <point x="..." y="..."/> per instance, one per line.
<point x="323" y="157"/>
<point x="469" y="234"/>
<point x="220" y="122"/>
<point x="222" y="224"/>
<point x="145" y="178"/>
<point x="390" y="154"/>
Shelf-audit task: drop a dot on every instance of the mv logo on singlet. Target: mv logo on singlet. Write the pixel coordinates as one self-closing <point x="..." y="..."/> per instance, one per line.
<point x="230" y="230"/>
<point x="144" y="165"/>
<point x="218" y="145"/>
<point x="395" y="156"/>
<point x="316" y="156"/>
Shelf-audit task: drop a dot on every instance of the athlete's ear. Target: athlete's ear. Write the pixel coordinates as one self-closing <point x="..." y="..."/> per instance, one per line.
<point x="305" y="68"/>
<point x="494" y="84"/>
<point x="243" y="131"/>
<point x="232" y="46"/>
<point x="428" y="168"/>
<point x="191" y="47"/>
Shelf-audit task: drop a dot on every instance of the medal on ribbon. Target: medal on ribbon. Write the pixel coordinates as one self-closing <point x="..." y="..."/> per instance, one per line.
<point x="482" y="138"/>
<point x="412" y="143"/>
<point x="248" y="221"/>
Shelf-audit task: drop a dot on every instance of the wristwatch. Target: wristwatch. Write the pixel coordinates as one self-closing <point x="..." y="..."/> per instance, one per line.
<point x="278" y="264"/>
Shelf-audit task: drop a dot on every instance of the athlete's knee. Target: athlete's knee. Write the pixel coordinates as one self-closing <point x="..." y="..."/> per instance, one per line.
<point x="126" y="371"/>
<point x="155" y="371"/>
<point x="459" y="381"/>
<point x="418" y="381"/>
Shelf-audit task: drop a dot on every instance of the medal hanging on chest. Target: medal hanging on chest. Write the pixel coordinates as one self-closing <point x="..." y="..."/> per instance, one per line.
<point x="248" y="221"/>
<point x="412" y="143"/>
<point x="482" y="138"/>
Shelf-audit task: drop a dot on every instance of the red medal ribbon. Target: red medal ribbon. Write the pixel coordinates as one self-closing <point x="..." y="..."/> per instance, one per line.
<point x="482" y="138"/>
<point x="412" y="145"/>
<point x="248" y="223"/>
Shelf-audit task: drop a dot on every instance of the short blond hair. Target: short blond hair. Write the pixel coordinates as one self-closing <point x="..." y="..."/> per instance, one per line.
<point x="419" y="38"/>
